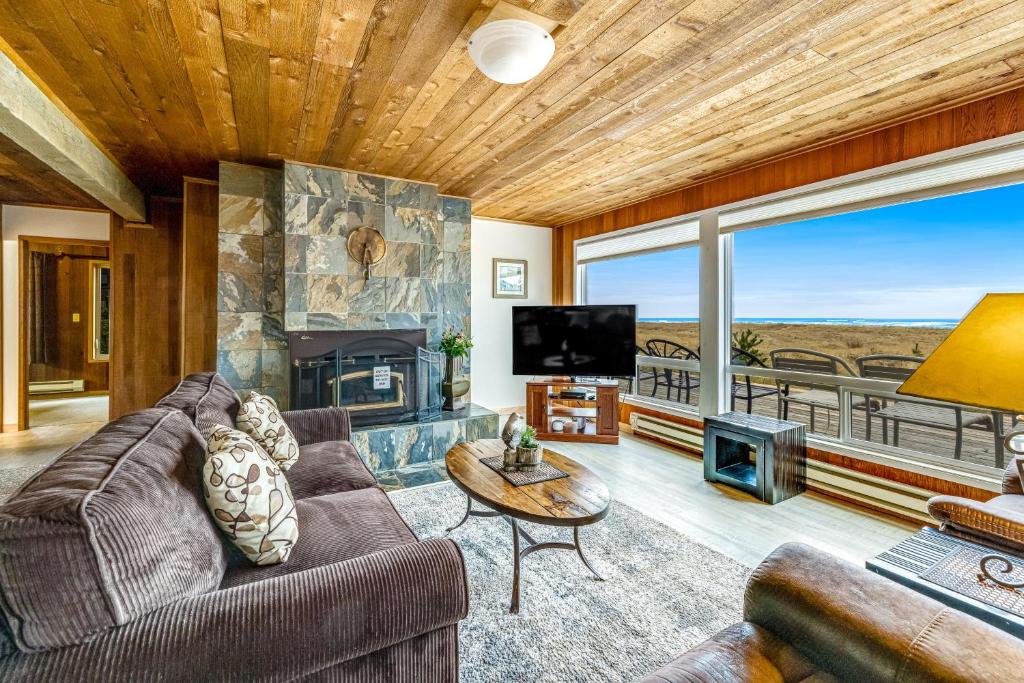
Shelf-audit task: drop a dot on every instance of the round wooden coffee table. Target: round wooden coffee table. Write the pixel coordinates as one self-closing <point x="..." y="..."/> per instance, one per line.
<point x="574" y="501"/>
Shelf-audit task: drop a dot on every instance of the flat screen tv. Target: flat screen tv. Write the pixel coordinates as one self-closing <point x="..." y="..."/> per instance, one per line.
<point x="578" y="341"/>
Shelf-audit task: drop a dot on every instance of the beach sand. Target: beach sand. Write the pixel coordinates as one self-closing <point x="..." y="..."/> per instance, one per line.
<point x="846" y="341"/>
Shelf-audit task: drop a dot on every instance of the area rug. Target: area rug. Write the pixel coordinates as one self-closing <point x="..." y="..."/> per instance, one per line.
<point x="11" y="479"/>
<point x="663" y="594"/>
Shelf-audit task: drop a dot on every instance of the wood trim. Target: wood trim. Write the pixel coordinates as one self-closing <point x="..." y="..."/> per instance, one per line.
<point x="145" y="305"/>
<point x="25" y="243"/>
<point x="90" y="352"/>
<point x="62" y="207"/>
<point x="199" y="277"/>
<point x="22" y="420"/>
<point x="2" y="363"/>
<point x="939" y="486"/>
<point x="199" y="181"/>
<point x="983" y="119"/>
<point x="69" y="241"/>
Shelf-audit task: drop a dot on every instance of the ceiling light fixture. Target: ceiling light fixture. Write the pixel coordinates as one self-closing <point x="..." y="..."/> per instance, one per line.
<point x="511" y="50"/>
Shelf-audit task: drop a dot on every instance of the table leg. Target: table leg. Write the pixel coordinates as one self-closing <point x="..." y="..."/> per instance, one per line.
<point x="469" y="508"/>
<point x="470" y="512"/>
<point x="579" y="551"/>
<point x="514" y="608"/>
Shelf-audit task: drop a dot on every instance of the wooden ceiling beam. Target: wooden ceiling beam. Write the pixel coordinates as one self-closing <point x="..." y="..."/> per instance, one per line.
<point x="37" y="125"/>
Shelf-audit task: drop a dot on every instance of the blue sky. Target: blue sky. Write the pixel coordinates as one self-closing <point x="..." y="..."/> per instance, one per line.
<point x="931" y="259"/>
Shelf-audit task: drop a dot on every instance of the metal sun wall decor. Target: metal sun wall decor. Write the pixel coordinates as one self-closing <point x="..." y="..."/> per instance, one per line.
<point x="367" y="247"/>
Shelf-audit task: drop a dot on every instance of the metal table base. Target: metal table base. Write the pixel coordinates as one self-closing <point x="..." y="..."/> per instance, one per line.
<point x="532" y="546"/>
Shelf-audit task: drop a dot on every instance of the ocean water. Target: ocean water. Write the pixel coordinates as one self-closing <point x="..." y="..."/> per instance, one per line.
<point x="936" y="323"/>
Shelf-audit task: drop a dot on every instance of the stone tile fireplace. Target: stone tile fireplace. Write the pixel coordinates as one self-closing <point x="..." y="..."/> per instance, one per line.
<point x="289" y="297"/>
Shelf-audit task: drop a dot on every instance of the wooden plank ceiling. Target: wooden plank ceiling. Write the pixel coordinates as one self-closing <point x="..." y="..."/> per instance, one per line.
<point x="642" y="96"/>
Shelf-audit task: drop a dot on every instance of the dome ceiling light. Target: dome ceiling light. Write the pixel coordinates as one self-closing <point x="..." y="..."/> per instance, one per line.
<point x="511" y="51"/>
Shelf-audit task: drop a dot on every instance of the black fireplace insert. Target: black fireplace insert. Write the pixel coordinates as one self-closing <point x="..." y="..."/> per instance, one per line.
<point x="379" y="375"/>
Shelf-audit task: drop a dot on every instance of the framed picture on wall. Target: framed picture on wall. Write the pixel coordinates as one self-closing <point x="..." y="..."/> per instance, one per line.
<point x="509" y="278"/>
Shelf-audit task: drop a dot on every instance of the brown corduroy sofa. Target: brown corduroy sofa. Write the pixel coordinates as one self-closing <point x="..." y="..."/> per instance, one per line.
<point x="111" y="568"/>
<point x="809" y="616"/>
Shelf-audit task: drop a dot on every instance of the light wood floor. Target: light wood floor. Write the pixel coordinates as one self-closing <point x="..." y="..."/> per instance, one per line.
<point x="68" y="411"/>
<point x="669" y="486"/>
<point x="56" y="425"/>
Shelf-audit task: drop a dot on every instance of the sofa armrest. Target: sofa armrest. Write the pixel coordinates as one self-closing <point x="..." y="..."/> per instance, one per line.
<point x="317" y="425"/>
<point x="277" y="629"/>
<point x="980" y="520"/>
<point x="860" y="626"/>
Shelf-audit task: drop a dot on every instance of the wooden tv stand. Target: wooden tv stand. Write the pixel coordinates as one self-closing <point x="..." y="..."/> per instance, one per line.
<point x="595" y="416"/>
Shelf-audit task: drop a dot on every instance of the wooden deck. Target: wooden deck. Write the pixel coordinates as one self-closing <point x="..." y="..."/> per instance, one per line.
<point x="978" y="444"/>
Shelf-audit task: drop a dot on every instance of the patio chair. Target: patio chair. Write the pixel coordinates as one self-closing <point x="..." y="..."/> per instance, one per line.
<point x="744" y="389"/>
<point x="814" y="396"/>
<point x="680" y="380"/>
<point x="950" y="417"/>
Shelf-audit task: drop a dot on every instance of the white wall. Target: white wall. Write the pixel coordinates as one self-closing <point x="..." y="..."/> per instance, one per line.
<point x="34" y="222"/>
<point x="494" y="385"/>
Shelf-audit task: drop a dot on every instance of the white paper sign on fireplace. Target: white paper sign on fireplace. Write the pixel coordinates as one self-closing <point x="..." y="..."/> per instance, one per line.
<point x="381" y="377"/>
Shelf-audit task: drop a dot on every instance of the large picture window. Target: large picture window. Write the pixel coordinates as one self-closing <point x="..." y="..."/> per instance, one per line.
<point x="871" y="294"/>
<point x="829" y="297"/>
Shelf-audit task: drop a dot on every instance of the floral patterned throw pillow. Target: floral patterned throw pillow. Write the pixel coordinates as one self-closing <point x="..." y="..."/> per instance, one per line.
<point x="249" y="497"/>
<point x="259" y="418"/>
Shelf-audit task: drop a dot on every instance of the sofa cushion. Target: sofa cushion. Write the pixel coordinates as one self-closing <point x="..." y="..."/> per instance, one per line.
<point x="334" y="528"/>
<point x="249" y="497"/>
<point x="206" y="398"/>
<point x="328" y="467"/>
<point x="259" y="417"/>
<point x="115" y="528"/>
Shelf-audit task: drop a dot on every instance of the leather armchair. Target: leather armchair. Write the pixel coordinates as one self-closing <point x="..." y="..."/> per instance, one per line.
<point x="998" y="522"/>
<point x="811" y="617"/>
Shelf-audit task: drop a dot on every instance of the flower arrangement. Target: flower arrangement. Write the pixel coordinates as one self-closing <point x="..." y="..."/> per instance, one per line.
<point x="455" y="344"/>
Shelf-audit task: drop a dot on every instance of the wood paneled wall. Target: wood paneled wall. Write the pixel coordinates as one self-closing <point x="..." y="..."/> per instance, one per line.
<point x="199" y="277"/>
<point x="969" y="123"/>
<point x="146" y="281"/>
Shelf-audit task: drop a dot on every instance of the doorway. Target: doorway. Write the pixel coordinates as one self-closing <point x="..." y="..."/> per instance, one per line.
<point x="64" y="331"/>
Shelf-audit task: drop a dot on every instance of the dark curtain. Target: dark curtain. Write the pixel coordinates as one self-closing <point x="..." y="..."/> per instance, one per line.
<point x="42" y="307"/>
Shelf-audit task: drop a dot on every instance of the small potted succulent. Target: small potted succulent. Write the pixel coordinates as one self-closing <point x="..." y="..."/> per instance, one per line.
<point x="529" y="451"/>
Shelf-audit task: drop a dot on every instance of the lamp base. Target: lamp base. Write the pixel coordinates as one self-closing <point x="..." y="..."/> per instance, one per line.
<point x="1005" y="568"/>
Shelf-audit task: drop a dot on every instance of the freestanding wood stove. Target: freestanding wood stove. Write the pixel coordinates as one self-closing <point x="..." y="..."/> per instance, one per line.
<point x="760" y="455"/>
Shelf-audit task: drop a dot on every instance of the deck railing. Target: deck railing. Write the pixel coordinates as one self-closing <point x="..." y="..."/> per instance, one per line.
<point x="982" y="450"/>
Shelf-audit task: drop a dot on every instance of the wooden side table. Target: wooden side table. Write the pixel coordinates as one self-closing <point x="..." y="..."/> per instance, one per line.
<point x="760" y="455"/>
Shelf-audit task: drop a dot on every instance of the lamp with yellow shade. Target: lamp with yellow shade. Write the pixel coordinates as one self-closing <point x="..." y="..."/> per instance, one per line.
<point x="981" y="363"/>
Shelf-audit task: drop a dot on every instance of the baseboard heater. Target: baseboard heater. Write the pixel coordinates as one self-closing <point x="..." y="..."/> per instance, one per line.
<point x="684" y="436"/>
<point x="64" y="386"/>
<point x="876" y="492"/>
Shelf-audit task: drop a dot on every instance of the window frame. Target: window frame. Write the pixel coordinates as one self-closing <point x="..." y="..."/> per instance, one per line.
<point x="95" y="267"/>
